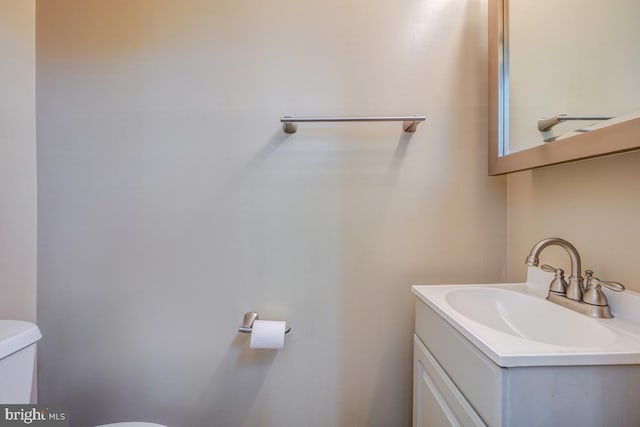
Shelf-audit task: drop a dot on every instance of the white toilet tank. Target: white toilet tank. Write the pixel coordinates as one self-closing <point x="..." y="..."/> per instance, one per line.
<point x="17" y="358"/>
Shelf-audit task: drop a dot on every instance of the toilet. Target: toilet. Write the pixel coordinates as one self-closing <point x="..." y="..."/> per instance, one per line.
<point x="17" y="357"/>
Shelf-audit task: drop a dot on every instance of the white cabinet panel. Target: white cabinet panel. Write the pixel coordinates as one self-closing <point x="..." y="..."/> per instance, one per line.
<point x="437" y="401"/>
<point x="479" y="379"/>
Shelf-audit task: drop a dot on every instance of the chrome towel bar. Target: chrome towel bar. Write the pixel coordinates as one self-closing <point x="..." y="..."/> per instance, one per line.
<point x="409" y="123"/>
<point x="545" y="124"/>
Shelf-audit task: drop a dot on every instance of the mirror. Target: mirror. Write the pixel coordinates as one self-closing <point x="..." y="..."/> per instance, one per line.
<point x="563" y="81"/>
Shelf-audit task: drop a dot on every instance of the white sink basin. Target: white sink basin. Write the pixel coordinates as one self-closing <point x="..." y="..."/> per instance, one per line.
<point x="514" y="325"/>
<point x="528" y="317"/>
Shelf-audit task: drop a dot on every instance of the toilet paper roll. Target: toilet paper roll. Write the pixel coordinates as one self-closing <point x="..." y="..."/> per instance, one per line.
<point x="267" y="334"/>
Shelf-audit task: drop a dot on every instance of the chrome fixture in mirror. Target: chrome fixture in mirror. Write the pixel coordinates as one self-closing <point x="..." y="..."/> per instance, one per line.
<point x="574" y="71"/>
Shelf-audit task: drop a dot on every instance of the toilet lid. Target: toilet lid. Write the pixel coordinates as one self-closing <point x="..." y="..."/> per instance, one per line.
<point x="131" y="424"/>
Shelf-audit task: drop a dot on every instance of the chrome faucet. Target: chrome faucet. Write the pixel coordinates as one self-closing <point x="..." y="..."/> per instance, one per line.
<point x="586" y="299"/>
<point x="574" y="290"/>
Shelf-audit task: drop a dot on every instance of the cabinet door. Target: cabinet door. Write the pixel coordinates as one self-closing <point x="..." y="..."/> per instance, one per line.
<point x="437" y="402"/>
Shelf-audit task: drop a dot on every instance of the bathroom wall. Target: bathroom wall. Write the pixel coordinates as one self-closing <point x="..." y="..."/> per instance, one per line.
<point x="171" y="202"/>
<point x="595" y="204"/>
<point x="17" y="160"/>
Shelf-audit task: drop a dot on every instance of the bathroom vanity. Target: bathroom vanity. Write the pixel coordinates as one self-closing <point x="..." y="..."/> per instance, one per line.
<point x="502" y="355"/>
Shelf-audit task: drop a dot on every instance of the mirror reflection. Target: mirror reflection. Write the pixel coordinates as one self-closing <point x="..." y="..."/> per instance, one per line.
<point x="573" y="65"/>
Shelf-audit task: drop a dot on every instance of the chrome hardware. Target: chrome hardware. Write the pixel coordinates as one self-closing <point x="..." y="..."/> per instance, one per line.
<point x="247" y="323"/>
<point x="288" y="127"/>
<point x="574" y="288"/>
<point x="597" y="311"/>
<point x="609" y="284"/>
<point x="549" y="268"/>
<point x="590" y="299"/>
<point x="593" y="292"/>
<point x="558" y="285"/>
<point x="409" y="123"/>
<point x="545" y="124"/>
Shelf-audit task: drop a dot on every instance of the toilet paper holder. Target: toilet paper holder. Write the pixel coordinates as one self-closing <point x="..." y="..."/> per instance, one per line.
<point x="247" y="323"/>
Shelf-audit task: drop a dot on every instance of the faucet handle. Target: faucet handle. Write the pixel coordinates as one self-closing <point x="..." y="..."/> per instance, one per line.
<point x="594" y="294"/>
<point x="558" y="285"/>
<point x="609" y="284"/>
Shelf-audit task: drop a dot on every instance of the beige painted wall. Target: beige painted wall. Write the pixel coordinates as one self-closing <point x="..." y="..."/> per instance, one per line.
<point x="594" y="204"/>
<point x="17" y="160"/>
<point x="171" y="203"/>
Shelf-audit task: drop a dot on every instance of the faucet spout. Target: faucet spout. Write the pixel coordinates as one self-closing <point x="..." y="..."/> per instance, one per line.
<point x="575" y="290"/>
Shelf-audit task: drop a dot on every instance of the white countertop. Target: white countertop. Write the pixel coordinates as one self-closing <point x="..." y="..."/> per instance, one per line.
<point x="620" y="345"/>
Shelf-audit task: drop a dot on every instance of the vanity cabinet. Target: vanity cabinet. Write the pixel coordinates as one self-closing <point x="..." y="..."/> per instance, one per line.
<point x="456" y="384"/>
<point x="437" y="400"/>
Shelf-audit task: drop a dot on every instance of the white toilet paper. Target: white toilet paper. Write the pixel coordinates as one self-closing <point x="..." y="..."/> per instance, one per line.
<point x="267" y="334"/>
